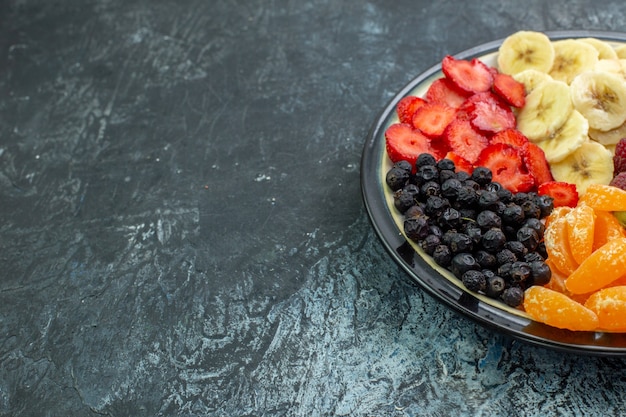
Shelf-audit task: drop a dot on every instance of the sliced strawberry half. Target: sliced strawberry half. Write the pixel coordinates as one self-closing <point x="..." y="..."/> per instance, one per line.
<point x="407" y="107"/>
<point x="490" y="114"/>
<point x="511" y="137"/>
<point x="403" y="142"/>
<point x="563" y="193"/>
<point x="510" y="90"/>
<point x="507" y="167"/>
<point x="471" y="76"/>
<point x="464" y="140"/>
<point x="536" y="163"/>
<point x="432" y="118"/>
<point x="442" y="90"/>
<point x="460" y="163"/>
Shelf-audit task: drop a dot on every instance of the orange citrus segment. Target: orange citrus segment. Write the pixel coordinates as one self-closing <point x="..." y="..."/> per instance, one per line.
<point x="609" y="304"/>
<point x="580" y="231"/>
<point x="606" y="228"/>
<point x="558" y="310"/>
<point x="556" y="240"/>
<point x="604" y="197"/>
<point x="602" y="267"/>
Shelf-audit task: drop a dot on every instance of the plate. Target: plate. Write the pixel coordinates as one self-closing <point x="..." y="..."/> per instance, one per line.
<point x="439" y="283"/>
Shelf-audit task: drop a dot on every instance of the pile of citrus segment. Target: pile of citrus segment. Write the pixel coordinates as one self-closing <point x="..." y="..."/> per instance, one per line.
<point x="586" y="248"/>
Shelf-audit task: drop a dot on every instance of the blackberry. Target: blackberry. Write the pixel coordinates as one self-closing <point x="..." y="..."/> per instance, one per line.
<point x="461" y="263"/>
<point x="425" y="159"/>
<point x="442" y="256"/>
<point x="540" y="273"/>
<point x="513" y="296"/>
<point x="416" y="228"/>
<point x="487" y="219"/>
<point x="482" y="175"/>
<point x="529" y="237"/>
<point x="495" y="286"/>
<point x="396" y="178"/>
<point x="430" y="243"/>
<point x="493" y="240"/>
<point x="474" y="280"/>
<point x="446" y="164"/>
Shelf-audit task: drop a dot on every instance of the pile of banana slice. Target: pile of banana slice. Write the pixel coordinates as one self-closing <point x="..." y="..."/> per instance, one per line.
<point x="576" y="101"/>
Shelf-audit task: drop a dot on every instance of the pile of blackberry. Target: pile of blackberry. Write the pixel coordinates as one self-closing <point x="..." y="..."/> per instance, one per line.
<point x="487" y="236"/>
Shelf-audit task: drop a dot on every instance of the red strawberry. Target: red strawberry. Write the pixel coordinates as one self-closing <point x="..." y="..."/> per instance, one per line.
<point x="432" y="118"/>
<point x="442" y="90"/>
<point x="563" y="193"/>
<point x="511" y="137"/>
<point x="464" y="140"/>
<point x="490" y="114"/>
<point x="407" y="106"/>
<point x="460" y="163"/>
<point x="535" y="160"/>
<point x="403" y="142"/>
<point x="507" y="167"/>
<point x="471" y="76"/>
<point x="510" y="90"/>
<point x="619" y="159"/>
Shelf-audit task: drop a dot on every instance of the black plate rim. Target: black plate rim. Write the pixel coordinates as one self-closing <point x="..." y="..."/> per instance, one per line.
<point x="464" y="303"/>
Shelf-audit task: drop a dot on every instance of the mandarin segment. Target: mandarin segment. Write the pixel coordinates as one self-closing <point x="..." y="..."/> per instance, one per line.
<point x="605" y="197"/>
<point x="602" y="267"/>
<point x="580" y="232"/>
<point x="558" y="310"/>
<point x="557" y="245"/>
<point x="609" y="304"/>
<point x="606" y="228"/>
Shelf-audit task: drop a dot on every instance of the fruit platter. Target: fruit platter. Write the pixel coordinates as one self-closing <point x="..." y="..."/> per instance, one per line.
<point x="497" y="180"/>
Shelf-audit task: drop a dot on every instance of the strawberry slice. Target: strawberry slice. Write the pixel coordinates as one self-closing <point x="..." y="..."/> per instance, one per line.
<point x="403" y="142"/>
<point x="510" y="90"/>
<point x="464" y="140"/>
<point x="490" y="114"/>
<point x="407" y="107"/>
<point x="563" y="193"/>
<point x="512" y="137"/>
<point x="536" y="163"/>
<point x="460" y="163"/>
<point x="432" y="118"/>
<point x="507" y="167"/>
<point x="442" y="90"/>
<point x="471" y="76"/>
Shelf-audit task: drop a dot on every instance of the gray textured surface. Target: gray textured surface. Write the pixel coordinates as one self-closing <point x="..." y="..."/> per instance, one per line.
<point x="181" y="226"/>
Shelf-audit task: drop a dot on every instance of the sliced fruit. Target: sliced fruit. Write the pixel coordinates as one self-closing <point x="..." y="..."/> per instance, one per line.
<point x="507" y="167"/>
<point x="432" y="118"/>
<point x="464" y="140"/>
<point x="609" y="304"/>
<point x="580" y="231"/>
<point x="621" y="51"/>
<point x="564" y="194"/>
<point x="606" y="227"/>
<point x="511" y="137"/>
<point x="601" y="97"/>
<point x="566" y="139"/>
<point x="557" y="245"/>
<point x="407" y="107"/>
<point x="442" y="90"/>
<point x="572" y="57"/>
<point x="614" y="66"/>
<point x="470" y="76"/>
<point x="403" y="142"/>
<point x="525" y="50"/>
<point x="536" y="163"/>
<point x="610" y="137"/>
<point x="547" y="108"/>
<point x="605" y="197"/>
<point x="490" y="114"/>
<point x="460" y="163"/>
<point x="590" y="164"/>
<point x="509" y="89"/>
<point x="605" y="51"/>
<point x="602" y="267"/>
<point x="558" y="310"/>
<point x="531" y="78"/>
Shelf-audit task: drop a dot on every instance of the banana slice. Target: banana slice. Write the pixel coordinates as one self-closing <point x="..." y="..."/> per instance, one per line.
<point x="605" y="50"/>
<point x="523" y="50"/>
<point x="571" y="57"/>
<point x="531" y="78"/>
<point x="566" y="139"/>
<point x="591" y="163"/>
<point x="601" y="97"/>
<point x="621" y="51"/>
<point x="610" y="137"/>
<point x="547" y="109"/>
<point x="614" y="66"/>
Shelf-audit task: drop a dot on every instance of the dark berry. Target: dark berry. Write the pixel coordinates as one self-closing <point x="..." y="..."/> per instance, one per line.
<point x="531" y="257"/>
<point x="460" y="242"/>
<point x="541" y="250"/>
<point x="487" y="219"/>
<point x="430" y="188"/>
<point x="529" y="237"/>
<point x="482" y="175"/>
<point x="531" y="210"/>
<point x="435" y="230"/>
<point x="442" y="255"/>
<point x="416" y="228"/>
<point x="450" y="188"/>
<point x="425" y="159"/>
<point x="446" y="164"/>
<point x="462" y="176"/>
<point x="461" y="263"/>
<point x="473" y="184"/>
<point x="504" y="270"/>
<point x="406" y="197"/>
<point x="474" y="280"/>
<point x="415" y="210"/>
<point x="404" y="165"/>
<point x="485" y="259"/>
<point x="495" y="286"/>
<point x="450" y="218"/>
<point x="535" y="224"/>
<point x="505" y="256"/>
<point x="513" y="214"/>
<point x="435" y="205"/>
<point x="545" y="204"/>
<point x="467" y="213"/>
<point x="540" y="273"/>
<point x="427" y="173"/>
<point x="493" y="240"/>
<point x="519" y="273"/>
<point x="519" y="198"/>
<point x="505" y="194"/>
<point x="513" y="296"/>
<point x="473" y="231"/>
<point x="446" y="174"/>
<point x="430" y="243"/>
<point x="466" y="196"/>
<point x="517" y="247"/>
<point x="396" y="178"/>
<point x="488" y="200"/>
